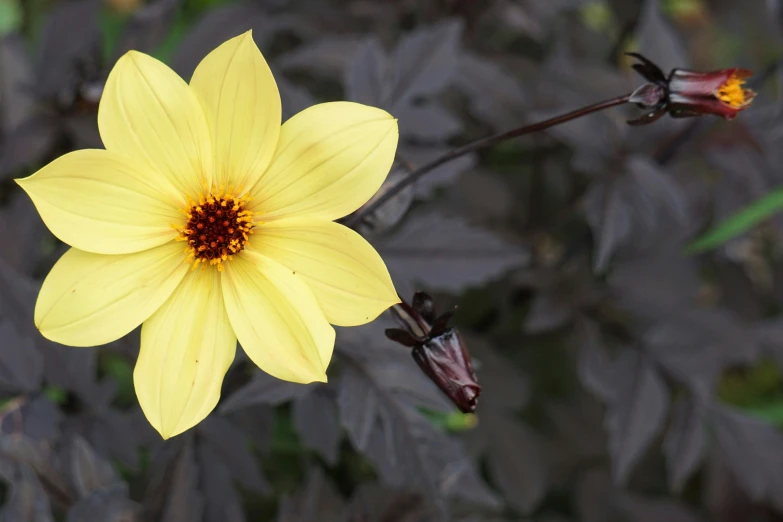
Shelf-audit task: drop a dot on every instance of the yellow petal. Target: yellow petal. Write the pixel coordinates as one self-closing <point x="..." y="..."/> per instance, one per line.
<point x="149" y="113"/>
<point x="345" y="273"/>
<point x="242" y="105"/>
<point x="330" y="159"/>
<point x="90" y="299"/>
<point x="102" y="202"/>
<point x="276" y="318"/>
<point x="186" y="349"/>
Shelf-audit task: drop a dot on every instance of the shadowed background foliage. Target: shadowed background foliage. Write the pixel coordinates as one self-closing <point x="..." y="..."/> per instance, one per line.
<point x="623" y="378"/>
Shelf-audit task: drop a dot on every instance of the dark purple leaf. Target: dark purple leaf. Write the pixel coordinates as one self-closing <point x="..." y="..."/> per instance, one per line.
<point x="26" y="500"/>
<point x="39" y="419"/>
<point x="217" y="26"/>
<point x="378" y="397"/>
<point x="427" y="122"/>
<point x="503" y="386"/>
<point x="317" y="501"/>
<point x="696" y="345"/>
<point x="264" y="389"/>
<point x="753" y="451"/>
<point x="294" y="98"/>
<point x="16" y="103"/>
<point x="230" y="446"/>
<point x="111" y="505"/>
<point x="222" y="502"/>
<point x="70" y="40"/>
<point x="148" y="27"/>
<point x="371" y="502"/>
<point x="446" y="175"/>
<point x="316" y="421"/>
<point x="640" y="509"/>
<point x="366" y="76"/>
<point x="87" y="470"/>
<point x="496" y="97"/>
<point x="658" y="40"/>
<point x="596" y="371"/>
<point x="516" y="460"/>
<point x="445" y="253"/>
<point x="172" y="493"/>
<point x="685" y="442"/>
<point x="425" y="61"/>
<point x="327" y="57"/>
<point x="610" y="216"/>
<point x="636" y="410"/>
<point x="21" y="364"/>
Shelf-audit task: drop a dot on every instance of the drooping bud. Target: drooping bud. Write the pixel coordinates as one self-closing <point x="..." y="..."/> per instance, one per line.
<point x="689" y="93"/>
<point x="438" y="349"/>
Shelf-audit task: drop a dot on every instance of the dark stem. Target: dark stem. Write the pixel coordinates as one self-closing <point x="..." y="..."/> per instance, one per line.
<point x="420" y="172"/>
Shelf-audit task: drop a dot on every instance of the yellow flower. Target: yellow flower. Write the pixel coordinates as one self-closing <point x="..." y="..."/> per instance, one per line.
<point x="208" y="221"/>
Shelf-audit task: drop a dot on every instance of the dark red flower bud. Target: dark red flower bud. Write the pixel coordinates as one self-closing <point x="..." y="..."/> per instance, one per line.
<point x="689" y="93"/>
<point x="438" y="349"/>
<point x="445" y="360"/>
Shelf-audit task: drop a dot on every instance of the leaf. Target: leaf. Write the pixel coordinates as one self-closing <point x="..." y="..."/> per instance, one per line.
<point x="327" y="57"/>
<point x="425" y="61"/>
<point x="26" y="500"/>
<point x="316" y="501"/>
<point x="695" y="346"/>
<point x="112" y="505"/>
<point x="596" y="371"/>
<point x="70" y="40"/>
<point x="172" y="493"/>
<point x="366" y="75"/>
<point x="88" y="471"/>
<point x="685" y="442"/>
<point x="641" y="509"/>
<point x="16" y="104"/>
<point x="635" y="209"/>
<point x="230" y="446"/>
<point x="427" y="122"/>
<point x="21" y="364"/>
<point x="378" y="410"/>
<point x="636" y="411"/>
<point x="372" y="502"/>
<point x="657" y="39"/>
<point x="148" y="27"/>
<point x="418" y="155"/>
<point x="610" y="216"/>
<point x="445" y="253"/>
<point x="495" y="97"/>
<point x="515" y="460"/>
<point x="738" y="223"/>
<point x="316" y="421"/>
<point x="753" y="451"/>
<point x="263" y="389"/>
<point x="217" y="26"/>
<point x="503" y="386"/>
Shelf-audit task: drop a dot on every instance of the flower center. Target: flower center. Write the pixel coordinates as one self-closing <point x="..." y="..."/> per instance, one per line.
<point x="218" y="227"/>
<point x="732" y="94"/>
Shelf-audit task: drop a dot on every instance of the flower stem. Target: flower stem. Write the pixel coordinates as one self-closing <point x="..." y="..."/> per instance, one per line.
<point x="420" y="172"/>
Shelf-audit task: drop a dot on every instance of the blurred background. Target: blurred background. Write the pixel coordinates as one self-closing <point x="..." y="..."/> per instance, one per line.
<point x="624" y="379"/>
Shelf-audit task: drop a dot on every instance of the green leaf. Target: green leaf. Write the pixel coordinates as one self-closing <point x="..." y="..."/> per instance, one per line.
<point x="771" y="412"/>
<point x="451" y="422"/>
<point x="10" y="16"/>
<point x="738" y="223"/>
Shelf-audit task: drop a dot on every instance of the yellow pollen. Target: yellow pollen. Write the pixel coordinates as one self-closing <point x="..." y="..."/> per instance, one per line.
<point x="217" y="227"/>
<point x="732" y="94"/>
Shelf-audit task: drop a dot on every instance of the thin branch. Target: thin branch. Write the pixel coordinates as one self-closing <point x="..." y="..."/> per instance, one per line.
<point x="489" y="141"/>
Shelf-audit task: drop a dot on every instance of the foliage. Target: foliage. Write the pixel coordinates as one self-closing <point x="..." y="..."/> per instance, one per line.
<point x="623" y="378"/>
